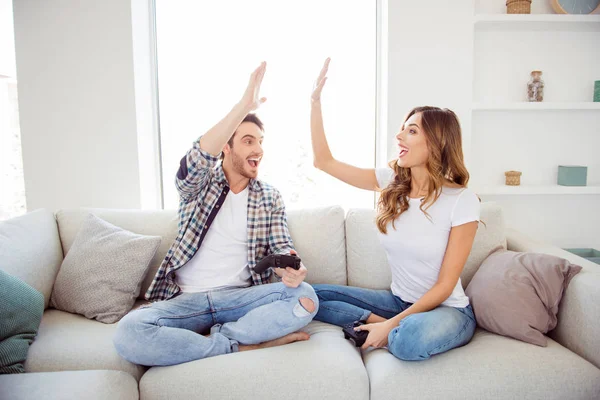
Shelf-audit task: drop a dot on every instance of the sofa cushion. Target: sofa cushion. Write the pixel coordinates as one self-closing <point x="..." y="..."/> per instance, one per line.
<point x="489" y="367"/>
<point x="367" y="262"/>
<point x="318" y="236"/>
<point x="69" y="385"/>
<point x="517" y="294"/>
<point x="161" y="223"/>
<point x="319" y="239"/>
<point x="101" y="275"/>
<point x="324" y="367"/>
<point x="30" y="250"/>
<point x="21" y="309"/>
<point x="579" y="311"/>
<point x="70" y="342"/>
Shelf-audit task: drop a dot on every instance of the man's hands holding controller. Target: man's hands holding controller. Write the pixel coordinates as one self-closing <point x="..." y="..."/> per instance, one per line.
<point x="291" y="277"/>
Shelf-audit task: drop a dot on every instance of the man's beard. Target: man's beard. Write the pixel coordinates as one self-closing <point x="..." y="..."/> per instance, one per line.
<point x="239" y="165"/>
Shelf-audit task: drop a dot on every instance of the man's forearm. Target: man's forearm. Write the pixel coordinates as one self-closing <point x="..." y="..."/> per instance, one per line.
<point x="215" y="139"/>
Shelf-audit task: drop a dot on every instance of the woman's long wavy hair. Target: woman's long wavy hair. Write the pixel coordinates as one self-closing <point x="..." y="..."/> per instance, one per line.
<point x="445" y="163"/>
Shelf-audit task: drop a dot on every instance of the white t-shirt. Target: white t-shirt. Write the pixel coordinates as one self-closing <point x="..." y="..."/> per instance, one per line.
<point x="222" y="259"/>
<point x="416" y="248"/>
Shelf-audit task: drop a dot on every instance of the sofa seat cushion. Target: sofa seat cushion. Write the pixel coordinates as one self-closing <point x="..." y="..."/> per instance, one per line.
<point x="69" y="385"/>
<point x="324" y="367"/>
<point x="70" y="342"/>
<point x="489" y="367"/>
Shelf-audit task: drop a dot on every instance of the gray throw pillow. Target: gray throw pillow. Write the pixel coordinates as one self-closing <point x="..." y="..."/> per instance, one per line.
<point x="517" y="294"/>
<point x="103" y="271"/>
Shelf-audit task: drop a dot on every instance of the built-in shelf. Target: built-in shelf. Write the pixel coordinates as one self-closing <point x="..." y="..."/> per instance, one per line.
<point x="534" y="190"/>
<point x="533" y="106"/>
<point x="538" y="22"/>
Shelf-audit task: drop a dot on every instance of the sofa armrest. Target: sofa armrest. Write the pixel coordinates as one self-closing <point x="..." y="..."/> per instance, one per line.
<point x="578" y="326"/>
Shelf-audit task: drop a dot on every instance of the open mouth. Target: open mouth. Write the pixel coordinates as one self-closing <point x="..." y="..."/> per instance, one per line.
<point x="403" y="151"/>
<point x="254" y="161"/>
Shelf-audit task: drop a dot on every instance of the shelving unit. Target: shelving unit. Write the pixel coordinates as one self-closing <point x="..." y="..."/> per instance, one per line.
<point x="527" y="106"/>
<point x="535" y="190"/>
<point x="509" y="133"/>
<point x="534" y="22"/>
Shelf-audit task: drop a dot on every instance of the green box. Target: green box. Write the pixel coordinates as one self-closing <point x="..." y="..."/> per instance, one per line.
<point x="597" y="91"/>
<point x="589" y="254"/>
<point x="572" y="175"/>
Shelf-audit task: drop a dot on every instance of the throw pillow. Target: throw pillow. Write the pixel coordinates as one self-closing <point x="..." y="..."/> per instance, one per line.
<point x="102" y="273"/>
<point x="21" y="309"/>
<point x="517" y="294"/>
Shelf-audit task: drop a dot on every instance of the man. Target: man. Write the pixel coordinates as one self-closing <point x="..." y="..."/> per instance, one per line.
<point x="228" y="221"/>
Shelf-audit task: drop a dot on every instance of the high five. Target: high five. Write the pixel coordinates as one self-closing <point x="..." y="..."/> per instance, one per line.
<point x="426" y="220"/>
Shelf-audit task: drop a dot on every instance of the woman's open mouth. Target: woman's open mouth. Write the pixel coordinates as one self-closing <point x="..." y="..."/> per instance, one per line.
<point x="403" y="151"/>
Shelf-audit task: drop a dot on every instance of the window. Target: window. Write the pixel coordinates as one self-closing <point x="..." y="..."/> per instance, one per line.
<point x="12" y="186"/>
<point x="206" y="53"/>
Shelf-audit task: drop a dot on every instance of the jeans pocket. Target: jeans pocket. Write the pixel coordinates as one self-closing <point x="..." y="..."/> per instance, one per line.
<point x="468" y="311"/>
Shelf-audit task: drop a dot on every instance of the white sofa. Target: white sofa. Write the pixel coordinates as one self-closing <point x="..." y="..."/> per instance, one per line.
<point x="73" y="357"/>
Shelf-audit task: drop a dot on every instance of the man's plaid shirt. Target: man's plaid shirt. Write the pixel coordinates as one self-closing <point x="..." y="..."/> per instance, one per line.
<point x="202" y="188"/>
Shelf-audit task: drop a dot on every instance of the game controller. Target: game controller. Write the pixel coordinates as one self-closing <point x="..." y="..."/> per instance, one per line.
<point x="356" y="337"/>
<point x="278" y="261"/>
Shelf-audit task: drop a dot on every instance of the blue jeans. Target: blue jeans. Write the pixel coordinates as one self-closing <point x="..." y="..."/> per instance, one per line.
<point x="417" y="337"/>
<point x="170" y="332"/>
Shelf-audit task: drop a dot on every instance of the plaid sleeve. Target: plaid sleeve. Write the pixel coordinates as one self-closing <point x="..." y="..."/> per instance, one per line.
<point x="280" y="241"/>
<point x="194" y="170"/>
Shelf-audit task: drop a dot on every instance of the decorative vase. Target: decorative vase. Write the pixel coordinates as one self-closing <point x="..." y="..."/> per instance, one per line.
<point x="535" y="87"/>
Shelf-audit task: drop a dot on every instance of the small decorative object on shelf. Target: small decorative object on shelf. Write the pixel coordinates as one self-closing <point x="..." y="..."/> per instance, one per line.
<point x="518" y="6"/>
<point x="596" y="91"/>
<point x="513" y="178"/>
<point x="575" y="6"/>
<point x="535" y="87"/>
<point x="572" y="175"/>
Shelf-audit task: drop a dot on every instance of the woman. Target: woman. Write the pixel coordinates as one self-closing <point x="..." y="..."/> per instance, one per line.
<point x="427" y="220"/>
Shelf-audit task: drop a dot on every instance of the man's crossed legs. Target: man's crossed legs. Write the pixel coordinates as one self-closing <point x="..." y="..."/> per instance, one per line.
<point x="171" y="332"/>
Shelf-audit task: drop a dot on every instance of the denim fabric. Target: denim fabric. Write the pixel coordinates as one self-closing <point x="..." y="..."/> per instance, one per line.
<point x="171" y="331"/>
<point x="417" y="337"/>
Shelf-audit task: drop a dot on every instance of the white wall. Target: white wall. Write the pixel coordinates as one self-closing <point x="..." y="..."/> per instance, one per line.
<point x="430" y="61"/>
<point x="76" y="103"/>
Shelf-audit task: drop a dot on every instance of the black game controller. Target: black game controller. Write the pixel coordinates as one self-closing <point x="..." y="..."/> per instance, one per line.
<point x="278" y="261"/>
<point x="356" y="337"/>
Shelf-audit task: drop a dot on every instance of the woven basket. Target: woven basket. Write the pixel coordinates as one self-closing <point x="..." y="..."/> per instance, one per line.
<point x="518" y="6"/>
<point x="513" y="178"/>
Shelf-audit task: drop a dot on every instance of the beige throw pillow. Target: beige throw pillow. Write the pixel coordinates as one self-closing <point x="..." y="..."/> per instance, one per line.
<point x="102" y="273"/>
<point x="517" y="294"/>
